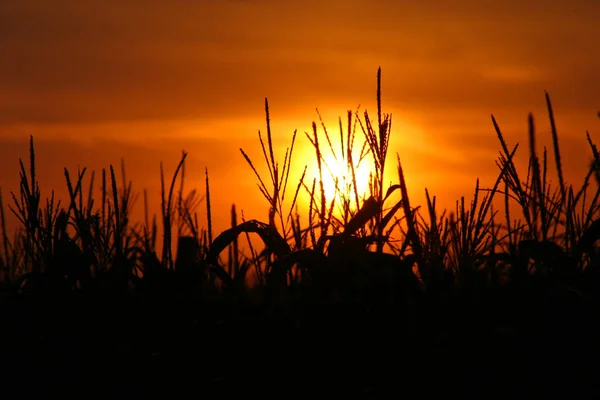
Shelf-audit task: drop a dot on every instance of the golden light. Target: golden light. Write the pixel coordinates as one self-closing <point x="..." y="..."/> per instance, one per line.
<point x="334" y="167"/>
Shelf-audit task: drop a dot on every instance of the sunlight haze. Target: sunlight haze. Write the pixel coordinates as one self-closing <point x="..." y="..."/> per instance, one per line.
<point x="95" y="82"/>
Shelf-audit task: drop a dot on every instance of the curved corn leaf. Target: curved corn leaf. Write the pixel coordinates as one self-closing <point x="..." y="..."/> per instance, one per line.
<point x="390" y="214"/>
<point x="391" y="190"/>
<point x="269" y="235"/>
<point x="369" y="209"/>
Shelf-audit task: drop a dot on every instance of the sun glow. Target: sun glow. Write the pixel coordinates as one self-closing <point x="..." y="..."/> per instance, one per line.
<point x="336" y="174"/>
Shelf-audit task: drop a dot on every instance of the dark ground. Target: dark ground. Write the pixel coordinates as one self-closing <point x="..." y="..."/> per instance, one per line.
<point x="90" y="347"/>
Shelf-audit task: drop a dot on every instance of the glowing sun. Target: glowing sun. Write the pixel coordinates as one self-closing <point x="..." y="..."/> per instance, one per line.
<point x="333" y="169"/>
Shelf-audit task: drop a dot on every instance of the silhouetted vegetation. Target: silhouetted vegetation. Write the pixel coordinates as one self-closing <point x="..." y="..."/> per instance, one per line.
<point x="365" y="295"/>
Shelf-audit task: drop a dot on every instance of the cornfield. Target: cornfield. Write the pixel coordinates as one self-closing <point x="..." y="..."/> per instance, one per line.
<point x="453" y="295"/>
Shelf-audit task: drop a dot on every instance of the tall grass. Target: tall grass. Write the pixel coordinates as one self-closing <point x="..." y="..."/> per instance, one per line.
<point x="72" y="245"/>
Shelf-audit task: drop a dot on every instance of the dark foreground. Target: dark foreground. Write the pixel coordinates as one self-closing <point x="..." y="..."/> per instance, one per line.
<point x="88" y="347"/>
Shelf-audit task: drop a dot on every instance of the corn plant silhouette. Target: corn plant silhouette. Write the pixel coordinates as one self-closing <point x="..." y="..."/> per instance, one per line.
<point x="435" y="278"/>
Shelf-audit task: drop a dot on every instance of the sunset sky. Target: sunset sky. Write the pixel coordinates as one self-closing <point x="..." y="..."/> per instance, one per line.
<point x="95" y="81"/>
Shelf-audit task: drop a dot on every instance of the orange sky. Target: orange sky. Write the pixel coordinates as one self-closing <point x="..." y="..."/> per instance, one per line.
<point x="95" y="81"/>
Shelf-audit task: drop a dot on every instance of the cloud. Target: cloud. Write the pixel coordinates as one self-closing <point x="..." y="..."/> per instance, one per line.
<point x="90" y="61"/>
<point x="96" y="81"/>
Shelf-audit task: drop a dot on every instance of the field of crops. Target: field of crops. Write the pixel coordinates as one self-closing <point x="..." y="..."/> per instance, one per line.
<point x="474" y="300"/>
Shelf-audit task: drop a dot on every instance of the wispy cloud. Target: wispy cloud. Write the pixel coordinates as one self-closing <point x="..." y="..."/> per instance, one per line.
<point x="97" y="61"/>
<point x="97" y="81"/>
